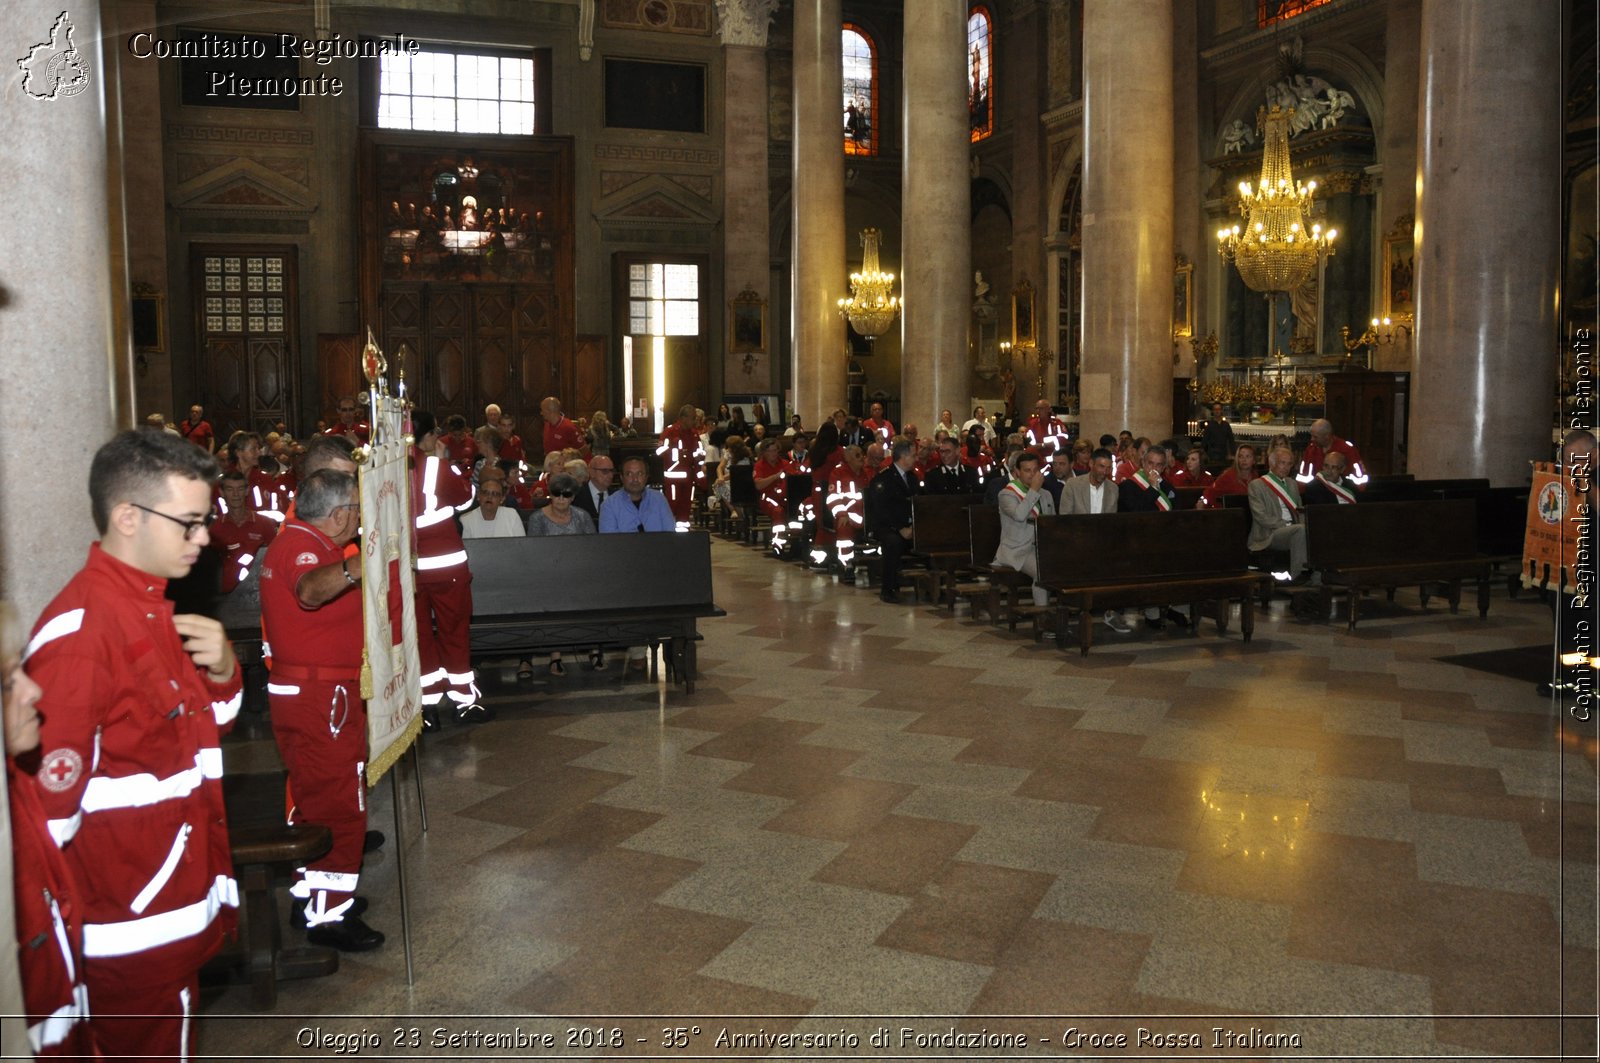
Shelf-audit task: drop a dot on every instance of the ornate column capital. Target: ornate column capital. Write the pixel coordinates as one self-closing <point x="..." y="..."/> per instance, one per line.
<point x="745" y="21"/>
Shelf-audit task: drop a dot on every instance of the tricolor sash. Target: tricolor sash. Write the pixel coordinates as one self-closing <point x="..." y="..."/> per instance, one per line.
<point x="1022" y="493"/>
<point x="1340" y="492"/>
<point x="1163" y="503"/>
<point x="1278" y="488"/>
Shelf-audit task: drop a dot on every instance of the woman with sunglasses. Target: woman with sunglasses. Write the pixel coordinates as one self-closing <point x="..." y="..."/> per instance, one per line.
<point x="560" y="517"/>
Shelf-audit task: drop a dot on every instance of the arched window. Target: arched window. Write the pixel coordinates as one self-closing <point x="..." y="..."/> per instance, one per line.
<point x="860" y="92"/>
<point x="980" y="78"/>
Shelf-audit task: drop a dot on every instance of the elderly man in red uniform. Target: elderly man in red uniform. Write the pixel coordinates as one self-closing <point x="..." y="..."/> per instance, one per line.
<point x="311" y="617"/>
<point x="1324" y="442"/>
<point x="198" y="431"/>
<point x="349" y="423"/>
<point x="444" y="582"/>
<point x="241" y="534"/>
<point x="559" y="433"/>
<point x="683" y="465"/>
<point x="1046" y="431"/>
<point x="130" y="779"/>
<point x="1234" y="481"/>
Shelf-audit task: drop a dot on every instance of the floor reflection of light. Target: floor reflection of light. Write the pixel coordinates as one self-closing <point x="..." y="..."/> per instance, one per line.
<point x="1254" y="826"/>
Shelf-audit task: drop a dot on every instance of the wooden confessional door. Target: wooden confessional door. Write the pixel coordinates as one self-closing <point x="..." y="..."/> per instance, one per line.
<point x="246" y="321"/>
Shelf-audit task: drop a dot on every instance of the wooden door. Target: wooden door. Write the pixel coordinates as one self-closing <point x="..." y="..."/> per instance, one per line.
<point x="589" y="390"/>
<point x="246" y="318"/>
<point x="339" y="369"/>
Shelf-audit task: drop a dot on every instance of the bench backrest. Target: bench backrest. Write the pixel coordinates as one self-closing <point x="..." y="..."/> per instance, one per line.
<point x="579" y="573"/>
<point x="1418" y="490"/>
<point x="1502" y="517"/>
<point x="1086" y="549"/>
<point x="1378" y="533"/>
<point x="983" y="522"/>
<point x="939" y="523"/>
<point x="1189" y="497"/>
<point x="742" y="485"/>
<point x="797" y="489"/>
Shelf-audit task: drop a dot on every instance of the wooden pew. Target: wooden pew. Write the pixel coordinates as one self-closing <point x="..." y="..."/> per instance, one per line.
<point x="1409" y="490"/>
<point x="1388" y="544"/>
<point x="941" y="534"/>
<point x="265" y="853"/>
<point x="1108" y="561"/>
<point x="1502" y="526"/>
<point x="585" y="592"/>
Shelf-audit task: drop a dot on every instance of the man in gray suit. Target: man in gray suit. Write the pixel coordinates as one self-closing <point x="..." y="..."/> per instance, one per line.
<point x="1277" y="519"/>
<point x="1094" y="493"/>
<point x="1022" y="501"/>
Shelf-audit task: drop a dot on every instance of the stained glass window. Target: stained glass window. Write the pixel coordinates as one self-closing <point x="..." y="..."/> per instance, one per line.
<point x="455" y="92"/>
<point x="980" y="75"/>
<point x="1270" y="11"/>
<point x="860" y="93"/>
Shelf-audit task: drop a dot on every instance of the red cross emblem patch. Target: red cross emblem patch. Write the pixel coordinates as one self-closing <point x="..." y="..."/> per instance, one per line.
<point x="60" y="769"/>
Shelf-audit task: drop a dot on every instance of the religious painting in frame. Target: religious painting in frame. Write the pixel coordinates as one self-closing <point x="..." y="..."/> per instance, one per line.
<point x="747" y="323"/>
<point x="647" y="94"/>
<point x="1183" y="299"/>
<point x="1024" y="334"/>
<point x="1399" y="269"/>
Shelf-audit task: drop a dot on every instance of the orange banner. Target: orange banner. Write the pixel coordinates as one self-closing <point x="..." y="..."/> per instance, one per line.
<point x="1550" y="549"/>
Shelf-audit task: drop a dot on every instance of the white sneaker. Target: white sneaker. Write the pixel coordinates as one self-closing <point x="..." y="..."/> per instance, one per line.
<point x="1115" y="622"/>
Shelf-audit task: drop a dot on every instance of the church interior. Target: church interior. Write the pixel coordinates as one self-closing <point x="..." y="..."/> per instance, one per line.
<point x="1354" y="843"/>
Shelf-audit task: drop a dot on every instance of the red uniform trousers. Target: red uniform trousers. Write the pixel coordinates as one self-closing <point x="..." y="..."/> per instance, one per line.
<point x="144" y="1020"/>
<point x="680" y="498"/>
<point x="444" y="621"/>
<point x="327" y="778"/>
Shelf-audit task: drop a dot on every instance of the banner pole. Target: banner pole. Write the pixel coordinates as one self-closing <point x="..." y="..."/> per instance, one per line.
<point x="416" y="770"/>
<point x="400" y="861"/>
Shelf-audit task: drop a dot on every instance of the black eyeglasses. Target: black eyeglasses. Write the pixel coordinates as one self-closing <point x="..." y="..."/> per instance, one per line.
<point x="191" y="528"/>
<point x="562" y="494"/>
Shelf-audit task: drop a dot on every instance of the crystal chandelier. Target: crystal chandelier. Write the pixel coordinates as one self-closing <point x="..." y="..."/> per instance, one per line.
<point x="1275" y="252"/>
<point x="872" y="306"/>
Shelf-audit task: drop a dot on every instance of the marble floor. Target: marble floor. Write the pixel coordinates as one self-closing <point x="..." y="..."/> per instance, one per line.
<point x="882" y="830"/>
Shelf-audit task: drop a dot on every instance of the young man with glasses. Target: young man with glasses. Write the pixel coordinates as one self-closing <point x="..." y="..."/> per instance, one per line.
<point x="130" y="776"/>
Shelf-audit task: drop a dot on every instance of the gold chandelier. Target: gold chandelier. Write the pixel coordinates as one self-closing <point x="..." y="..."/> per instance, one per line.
<point x="872" y="306"/>
<point x="1275" y="252"/>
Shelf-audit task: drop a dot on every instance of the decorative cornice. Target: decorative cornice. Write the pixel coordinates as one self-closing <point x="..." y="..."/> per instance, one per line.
<point x="630" y="153"/>
<point x="272" y="136"/>
<point x="1069" y="114"/>
<point x="1253" y="39"/>
<point x="745" y="21"/>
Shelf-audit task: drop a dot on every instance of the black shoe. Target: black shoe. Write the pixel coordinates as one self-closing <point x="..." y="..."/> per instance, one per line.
<point x="1175" y="617"/>
<point x="597" y="660"/>
<point x="557" y="669"/>
<point x="892" y="599"/>
<point x="1155" y="624"/>
<point x="474" y="713"/>
<point x="349" y="934"/>
<point x="297" y="911"/>
<point x="430" y="720"/>
<point x="372" y="842"/>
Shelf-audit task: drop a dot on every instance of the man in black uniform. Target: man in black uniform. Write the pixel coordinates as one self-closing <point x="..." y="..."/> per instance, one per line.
<point x="889" y="513"/>
<point x="1147" y="492"/>
<point x="950" y="476"/>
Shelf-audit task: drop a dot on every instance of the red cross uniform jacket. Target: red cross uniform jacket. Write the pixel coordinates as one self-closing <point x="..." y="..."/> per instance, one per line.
<point x="130" y="775"/>
<point x="438" y="492"/>
<point x="49" y="929"/>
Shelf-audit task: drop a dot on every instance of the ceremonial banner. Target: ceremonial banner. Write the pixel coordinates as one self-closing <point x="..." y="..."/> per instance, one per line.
<point x="1550" y="548"/>
<point x="391" y="674"/>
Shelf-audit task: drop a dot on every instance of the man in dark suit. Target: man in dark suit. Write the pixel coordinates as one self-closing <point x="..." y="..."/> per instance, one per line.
<point x="1056" y="477"/>
<point x="949" y="476"/>
<point x="889" y="513"/>
<point x="1330" y="488"/>
<point x="853" y="435"/>
<point x="602" y="472"/>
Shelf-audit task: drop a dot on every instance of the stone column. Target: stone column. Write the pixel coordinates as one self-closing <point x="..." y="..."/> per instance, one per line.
<point x="820" y="280"/>
<point x="936" y="213"/>
<point x="1399" y="148"/>
<point x="55" y="327"/>
<point x="746" y="239"/>
<point x="1488" y="238"/>
<point x="1127" y="217"/>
